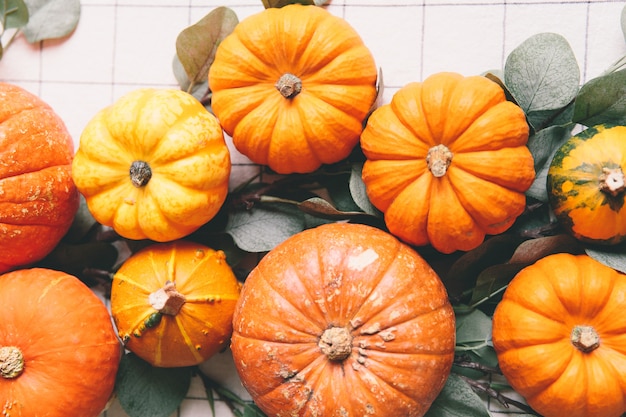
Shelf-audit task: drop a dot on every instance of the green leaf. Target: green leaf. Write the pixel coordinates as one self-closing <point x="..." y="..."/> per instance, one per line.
<point x="543" y="76"/>
<point x="359" y="193"/>
<point x="543" y="145"/>
<point x="611" y="256"/>
<point x="14" y="13"/>
<point x="147" y="391"/>
<point x="457" y="399"/>
<point x="532" y="250"/>
<point x="318" y="207"/>
<point x="281" y="3"/>
<point x="491" y="283"/>
<point x="264" y="226"/>
<point x="199" y="90"/>
<point x="602" y="100"/>
<point x="473" y="330"/>
<point x="51" y="19"/>
<point x="196" y="45"/>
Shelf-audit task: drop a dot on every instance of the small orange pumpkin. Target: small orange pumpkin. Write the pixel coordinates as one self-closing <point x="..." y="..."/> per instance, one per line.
<point x="38" y="199"/>
<point x="560" y="336"/>
<point x="59" y="353"/>
<point x="292" y="86"/>
<point x="154" y="165"/>
<point x="343" y="320"/>
<point x="447" y="161"/>
<point x="173" y="303"/>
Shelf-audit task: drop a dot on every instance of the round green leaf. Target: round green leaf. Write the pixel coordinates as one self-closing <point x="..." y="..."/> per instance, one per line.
<point x="543" y="76"/>
<point x="611" y="256"/>
<point x="147" y="391"/>
<point x="51" y="19"/>
<point x="14" y="13"/>
<point x="457" y="399"/>
<point x="602" y="100"/>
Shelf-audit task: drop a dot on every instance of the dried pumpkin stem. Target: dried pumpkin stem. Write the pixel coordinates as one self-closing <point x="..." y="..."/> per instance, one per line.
<point x="585" y="338"/>
<point x="289" y="85"/>
<point x="167" y="300"/>
<point x="336" y="343"/>
<point x="140" y="173"/>
<point x="439" y="159"/>
<point x="612" y="181"/>
<point x="11" y="362"/>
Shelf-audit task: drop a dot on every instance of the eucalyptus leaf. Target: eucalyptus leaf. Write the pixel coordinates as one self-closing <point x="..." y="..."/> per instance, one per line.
<point x="543" y="76"/>
<point x="612" y="256"/>
<point x="281" y="3"/>
<point x="457" y="399"/>
<point x="264" y="226"/>
<point x="338" y="188"/>
<point x="492" y="281"/>
<point x="359" y="193"/>
<point x="543" y="145"/>
<point x="319" y="207"/>
<point x="197" y="44"/>
<point x="602" y="100"/>
<point x="147" y="391"/>
<point x="473" y="329"/>
<point x="14" y="13"/>
<point x="623" y="21"/>
<point x="51" y="19"/>
<point x="199" y="90"/>
<point x="532" y="250"/>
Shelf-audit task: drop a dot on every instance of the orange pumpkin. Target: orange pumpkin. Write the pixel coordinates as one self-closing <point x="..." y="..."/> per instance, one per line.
<point x="292" y="86"/>
<point x="173" y="303"/>
<point x="154" y="165"/>
<point x="447" y="162"/>
<point x="59" y="353"/>
<point x="560" y="336"/>
<point x="340" y="320"/>
<point x="38" y="199"/>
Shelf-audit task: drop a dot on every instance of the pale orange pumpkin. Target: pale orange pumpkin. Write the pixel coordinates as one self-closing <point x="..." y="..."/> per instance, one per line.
<point x="292" y="86"/>
<point x="447" y="161"/>
<point x="343" y="320"/>
<point x="173" y="303"/>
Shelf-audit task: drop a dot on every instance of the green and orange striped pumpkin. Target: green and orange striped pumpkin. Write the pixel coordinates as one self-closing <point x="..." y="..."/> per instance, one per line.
<point x="586" y="185"/>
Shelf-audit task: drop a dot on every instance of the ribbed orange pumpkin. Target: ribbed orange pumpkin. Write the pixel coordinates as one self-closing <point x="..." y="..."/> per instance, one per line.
<point x="343" y="320"/>
<point x="153" y="165"/>
<point x="59" y="353"/>
<point x="292" y="87"/>
<point x="38" y="199"/>
<point x="447" y="161"/>
<point x="173" y="303"/>
<point x="560" y="336"/>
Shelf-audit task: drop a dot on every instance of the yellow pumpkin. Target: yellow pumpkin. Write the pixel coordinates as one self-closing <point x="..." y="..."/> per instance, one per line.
<point x="154" y="165"/>
<point x="292" y="86"/>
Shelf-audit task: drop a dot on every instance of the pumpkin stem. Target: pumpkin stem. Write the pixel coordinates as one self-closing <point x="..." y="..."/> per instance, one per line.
<point x="140" y="173"/>
<point x="167" y="300"/>
<point x="11" y="362"/>
<point x="585" y="338"/>
<point x="612" y="181"/>
<point x="438" y="159"/>
<point x="336" y="343"/>
<point x="289" y="85"/>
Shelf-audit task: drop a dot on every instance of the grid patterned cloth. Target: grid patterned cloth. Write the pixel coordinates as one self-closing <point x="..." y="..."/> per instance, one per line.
<point x="121" y="45"/>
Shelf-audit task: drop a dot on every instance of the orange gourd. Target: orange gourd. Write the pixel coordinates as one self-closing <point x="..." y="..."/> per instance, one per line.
<point x="38" y="199"/>
<point x="173" y="303"/>
<point x="343" y="320"/>
<point x="560" y="336"/>
<point x="59" y="353"/>
<point x="153" y="165"/>
<point x="447" y="162"/>
<point x="292" y="86"/>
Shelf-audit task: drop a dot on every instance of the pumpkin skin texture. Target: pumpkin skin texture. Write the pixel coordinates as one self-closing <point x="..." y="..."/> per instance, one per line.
<point x="173" y="303"/>
<point x="153" y="165"/>
<point x="546" y="330"/>
<point x="343" y="320"/>
<point x="292" y="87"/>
<point x="38" y="199"/>
<point x="447" y="162"/>
<point x="586" y="185"/>
<point x="61" y="334"/>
